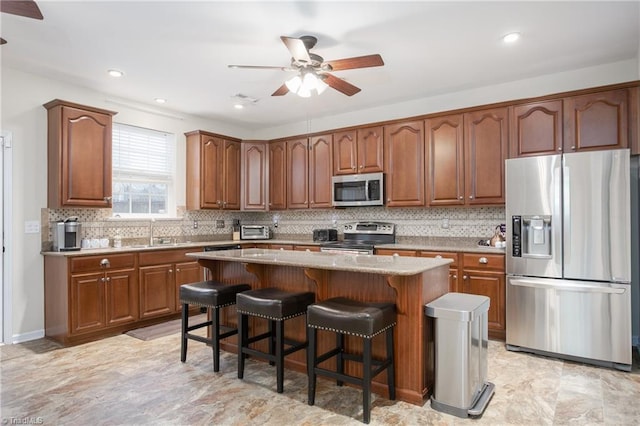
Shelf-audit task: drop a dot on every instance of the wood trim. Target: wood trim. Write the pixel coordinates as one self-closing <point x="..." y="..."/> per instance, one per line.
<point x="58" y="102"/>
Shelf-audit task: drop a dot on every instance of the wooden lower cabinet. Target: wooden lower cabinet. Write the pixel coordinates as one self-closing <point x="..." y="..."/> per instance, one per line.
<point x="89" y="295"/>
<point x="453" y="267"/>
<point x="161" y="275"/>
<point x="484" y="274"/>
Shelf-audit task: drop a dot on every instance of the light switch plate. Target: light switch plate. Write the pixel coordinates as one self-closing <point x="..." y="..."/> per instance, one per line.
<point x="31" y="227"/>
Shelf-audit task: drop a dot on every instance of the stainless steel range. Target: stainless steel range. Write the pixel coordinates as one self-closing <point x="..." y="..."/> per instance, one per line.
<point x="360" y="237"/>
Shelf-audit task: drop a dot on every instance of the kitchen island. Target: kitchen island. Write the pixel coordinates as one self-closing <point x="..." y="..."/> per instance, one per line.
<point x="410" y="283"/>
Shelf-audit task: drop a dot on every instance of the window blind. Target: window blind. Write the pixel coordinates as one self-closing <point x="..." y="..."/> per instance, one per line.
<point x="142" y="154"/>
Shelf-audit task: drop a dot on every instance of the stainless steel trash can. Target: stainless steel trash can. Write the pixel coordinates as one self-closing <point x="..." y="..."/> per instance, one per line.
<point x="461" y="344"/>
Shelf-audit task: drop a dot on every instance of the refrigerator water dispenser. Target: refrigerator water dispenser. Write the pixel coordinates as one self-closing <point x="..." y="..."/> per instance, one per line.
<point x="531" y="236"/>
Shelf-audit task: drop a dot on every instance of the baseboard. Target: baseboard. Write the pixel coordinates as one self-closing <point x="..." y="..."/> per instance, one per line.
<point x="25" y="337"/>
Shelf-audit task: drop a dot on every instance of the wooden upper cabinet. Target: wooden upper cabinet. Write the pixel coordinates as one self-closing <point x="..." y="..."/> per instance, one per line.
<point x="485" y="146"/>
<point x="254" y="176"/>
<point x="597" y="121"/>
<point x="404" y="164"/>
<point x="536" y="129"/>
<point x="320" y="167"/>
<point x="445" y="160"/>
<point x="298" y="173"/>
<point x="277" y="175"/>
<point x="79" y="155"/>
<point x="358" y="151"/>
<point x="213" y="172"/>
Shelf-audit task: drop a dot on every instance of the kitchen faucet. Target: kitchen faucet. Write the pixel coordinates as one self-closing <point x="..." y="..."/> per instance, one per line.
<point x="151" y="231"/>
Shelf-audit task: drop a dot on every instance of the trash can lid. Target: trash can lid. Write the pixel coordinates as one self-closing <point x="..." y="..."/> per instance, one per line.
<point x="458" y="306"/>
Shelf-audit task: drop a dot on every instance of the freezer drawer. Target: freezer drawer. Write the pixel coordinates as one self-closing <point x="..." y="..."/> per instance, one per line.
<point x="572" y="318"/>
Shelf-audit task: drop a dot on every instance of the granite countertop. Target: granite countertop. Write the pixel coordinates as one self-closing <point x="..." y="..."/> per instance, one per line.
<point x="452" y="244"/>
<point x="387" y="265"/>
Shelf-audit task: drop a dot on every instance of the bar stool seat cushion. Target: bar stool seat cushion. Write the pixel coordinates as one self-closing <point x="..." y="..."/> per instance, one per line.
<point x="349" y="316"/>
<point x="273" y="303"/>
<point x="211" y="294"/>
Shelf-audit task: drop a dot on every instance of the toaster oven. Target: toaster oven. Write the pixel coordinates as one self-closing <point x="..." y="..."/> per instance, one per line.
<point x="254" y="232"/>
<point x="325" y="234"/>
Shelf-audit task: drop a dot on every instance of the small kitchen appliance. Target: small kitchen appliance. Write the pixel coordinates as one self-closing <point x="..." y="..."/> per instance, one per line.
<point x="364" y="189"/>
<point x="328" y="234"/>
<point x="361" y="237"/>
<point x="254" y="232"/>
<point x="67" y="235"/>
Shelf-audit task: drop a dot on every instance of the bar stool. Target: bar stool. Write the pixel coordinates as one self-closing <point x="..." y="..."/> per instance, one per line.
<point x="212" y="295"/>
<point x="366" y="320"/>
<point x="276" y="306"/>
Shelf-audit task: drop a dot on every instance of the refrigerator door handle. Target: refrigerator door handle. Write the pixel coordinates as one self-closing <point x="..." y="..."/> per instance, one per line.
<point x="566" y="222"/>
<point x="581" y="287"/>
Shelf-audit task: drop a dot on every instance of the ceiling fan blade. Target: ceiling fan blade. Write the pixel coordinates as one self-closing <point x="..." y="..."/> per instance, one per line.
<point x="262" y="67"/>
<point x="357" y="62"/>
<point x="2" y="41"/>
<point x="297" y="48"/>
<point x="340" y="85"/>
<point x="282" y="90"/>
<point x="27" y="8"/>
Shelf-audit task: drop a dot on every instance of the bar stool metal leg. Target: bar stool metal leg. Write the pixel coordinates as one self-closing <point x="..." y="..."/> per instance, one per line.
<point x="243" y="333"/>
<point x="366" y="380"/>
<point x="215" y="332"/>
<point x="185" y="326"/>
<point x="312" y="334"/>
<point x="339" y="357"/>
<point x="391" y="370"/>
<point x="280" y="356"/>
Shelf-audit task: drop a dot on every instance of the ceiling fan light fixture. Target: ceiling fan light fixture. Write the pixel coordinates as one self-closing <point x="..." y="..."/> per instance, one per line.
<point x="293" y="84"/>
<point x="511" y="37"/>
<point x="321" y="86"/>
<point x="115" y="73"/>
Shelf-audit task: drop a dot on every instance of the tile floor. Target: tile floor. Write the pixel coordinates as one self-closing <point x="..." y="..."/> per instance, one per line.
<point x="123" y="380"/>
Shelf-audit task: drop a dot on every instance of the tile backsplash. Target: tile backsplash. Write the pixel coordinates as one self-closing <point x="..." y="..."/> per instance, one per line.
<point x="204" y="224"/>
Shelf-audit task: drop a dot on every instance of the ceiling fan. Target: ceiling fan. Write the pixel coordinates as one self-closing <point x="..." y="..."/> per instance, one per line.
<point x="26" y="8"/>
<point x="313" y="72"/>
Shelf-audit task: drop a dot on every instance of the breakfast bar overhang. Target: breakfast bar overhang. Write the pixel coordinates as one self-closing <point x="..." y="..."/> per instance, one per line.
<point x="408" y="282"/>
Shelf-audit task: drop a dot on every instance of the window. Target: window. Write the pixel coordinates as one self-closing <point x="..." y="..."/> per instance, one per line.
<point x="143" y="172"/>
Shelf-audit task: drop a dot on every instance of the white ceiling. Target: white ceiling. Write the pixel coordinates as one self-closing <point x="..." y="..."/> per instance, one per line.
<point x="180" y="50"/>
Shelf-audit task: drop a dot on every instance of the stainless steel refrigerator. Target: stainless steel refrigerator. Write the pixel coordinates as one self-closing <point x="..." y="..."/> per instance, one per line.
<point x="569" y="256"/>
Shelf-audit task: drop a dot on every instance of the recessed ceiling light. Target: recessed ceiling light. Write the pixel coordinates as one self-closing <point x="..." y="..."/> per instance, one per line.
<point x="511" y="37"/>
<point x="115" y="73"/>
<point x="160" y="100"/>
<point x="238" y="106"/>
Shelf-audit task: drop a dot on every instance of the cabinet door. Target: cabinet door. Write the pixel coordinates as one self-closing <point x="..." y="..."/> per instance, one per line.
<point x="277" y="176"/>
<point x="211" y="168"/>
<point x="370" y="149"/>
<point x="121" y="297"/>
<point x="492" y="285"/>
<point x="445" y="160"/>
<point x="187" y="273"/>
<point x="157" y="291"/>
<point x="404" y="164"/>
<point x="320" y="168"/>
<point x="86" y="158"/>
<point x="231" y="176"/>
<point x="536" y="129"/>
<point x="345" y="153"/>
<point x="297" y="174"/>
<point x="254" y="176"/>
<point x="596" y="121"/>
<point x="87" y="302"/>
<point x="485" y="146"/>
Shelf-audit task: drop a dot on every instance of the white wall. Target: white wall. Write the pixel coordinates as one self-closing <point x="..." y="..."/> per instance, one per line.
<point x="22" y="113"/>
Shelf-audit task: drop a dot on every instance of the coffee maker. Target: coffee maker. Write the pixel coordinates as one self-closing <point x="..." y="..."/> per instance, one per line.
<point x="67" y="235"/>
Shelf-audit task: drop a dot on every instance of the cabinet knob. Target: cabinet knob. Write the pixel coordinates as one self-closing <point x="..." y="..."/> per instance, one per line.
<point x="311" y="201"/>
<point x="388" y="200"/>
<point x="108" y="199"/>
<point x="102" y="279"/>
<point x="224" y="204"/>
<point x="464" y="277"/>
<point x="105" y="263"/>
<point x="108" y="279"/>
<point x="353" y="167"/>
<point x="460" y="197"/>
<point x="396" y="254"/>
<point x="361" y="167"/>
<point x="471" y="197"/>
<point x="171" y="271"/>
<point x="177" y="269"/>
<point x="438" y="257"/>
<point x="483" y="260"/>
<point x="559" y="148"/>
<point x="454" y="276"/>
<point x="573" y="148"/>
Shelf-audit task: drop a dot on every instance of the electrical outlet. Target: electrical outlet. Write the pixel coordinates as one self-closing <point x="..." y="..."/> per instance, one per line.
<point x="219" y="224"/>
<point x="195" y="224"/>
<point x="445" y="223"/>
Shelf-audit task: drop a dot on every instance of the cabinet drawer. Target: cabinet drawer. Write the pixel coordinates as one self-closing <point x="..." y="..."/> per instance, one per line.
<point x="441" y="254"/>
<point x="92" y="263"/>
<point x="159" y="257"/>
<point x="392" y="252"/>
<point x="480" y="261"/>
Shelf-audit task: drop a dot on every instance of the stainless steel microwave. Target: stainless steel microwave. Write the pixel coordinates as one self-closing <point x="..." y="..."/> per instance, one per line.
<point x="254" y="232"/>
<point x="358" y="190"/>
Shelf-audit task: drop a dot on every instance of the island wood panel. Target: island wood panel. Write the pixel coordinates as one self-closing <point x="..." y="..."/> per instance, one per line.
<point x="413" y="338"/>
